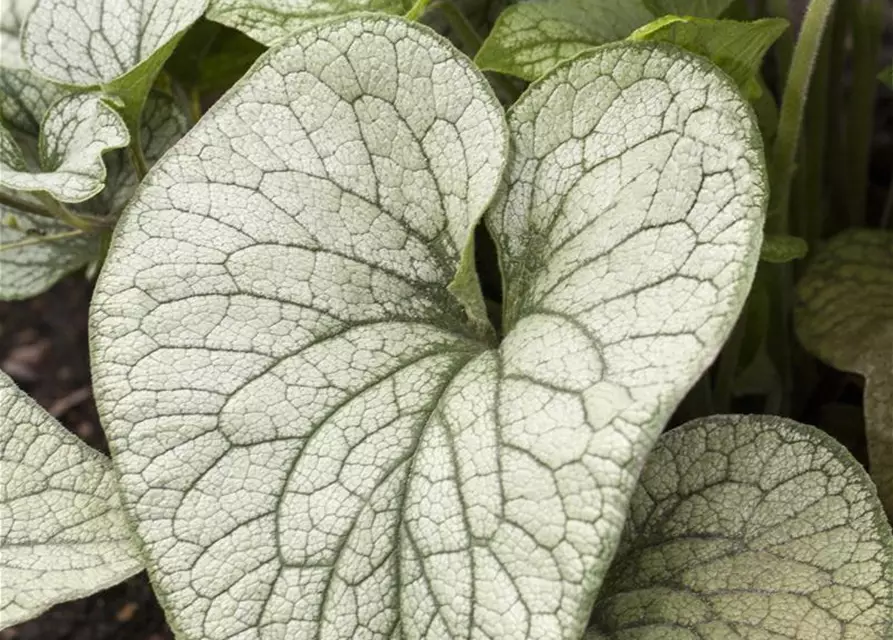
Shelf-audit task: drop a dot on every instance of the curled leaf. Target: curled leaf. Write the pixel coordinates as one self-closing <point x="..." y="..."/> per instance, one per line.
<point x="76" y="132"/>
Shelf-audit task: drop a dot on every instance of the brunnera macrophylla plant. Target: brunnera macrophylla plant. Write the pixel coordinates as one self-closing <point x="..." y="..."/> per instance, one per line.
<point x="317" y="432"/>
<point x="80" y="124"/>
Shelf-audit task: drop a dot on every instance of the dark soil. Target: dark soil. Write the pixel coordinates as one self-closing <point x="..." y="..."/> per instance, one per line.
<point x="43" y="347"/>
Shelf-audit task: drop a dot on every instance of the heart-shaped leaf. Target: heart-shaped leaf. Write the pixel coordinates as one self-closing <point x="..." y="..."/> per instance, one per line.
<point x="314" y="438"/>
<point x="62" y="530"/>
<point x="270" y="20"/>
<point x="119" y="46"/>
<point x="844" y="316"/>
<point x="76" y="132"/>
<point x="750" y="527"/>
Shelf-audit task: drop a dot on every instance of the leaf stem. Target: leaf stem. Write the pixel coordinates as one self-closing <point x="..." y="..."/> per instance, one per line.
<point x="811" y="202"/>
<point x="9" y="200"/>
<point x="54" y="210"/>
<point x="836" y="170"/>
<point x="464" y="30"/>
<point x="40" y="239"/>
<point x="417" y="10"/>
<point x="137" y="158"/>
<point x="790" y="118"/>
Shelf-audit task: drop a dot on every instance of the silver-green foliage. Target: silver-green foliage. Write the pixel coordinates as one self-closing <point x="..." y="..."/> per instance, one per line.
<point x="270" y="20"/>
<point x="844" y="316"/>
<point x="316" y="434"/>
<point x="750" y="527"/>
<point x="62" y="530"/>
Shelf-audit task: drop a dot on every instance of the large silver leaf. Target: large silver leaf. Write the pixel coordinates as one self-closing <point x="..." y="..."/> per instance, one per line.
<point x="314" y="438"/>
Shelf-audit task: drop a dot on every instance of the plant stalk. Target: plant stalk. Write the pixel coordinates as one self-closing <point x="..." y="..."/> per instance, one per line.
<point x="790" y="120"/>
<point x="40" y="239"/>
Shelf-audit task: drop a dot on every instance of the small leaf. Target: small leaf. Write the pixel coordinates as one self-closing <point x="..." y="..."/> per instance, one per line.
<point x="29" y="270"/>
<point x="530" y="38"/>
<point x="844" y="315"/>
<point x="750" y="527"/>
<point x="268" y="21"/>
<point x="62" y="533"/>
<point x="311" y="433"/>
<point x="697" y="8"/>
<point x="75" y="133"/>
<point x="118" y="46"/>
<point x="780" y="248"/>
<point x="735" y="47"/>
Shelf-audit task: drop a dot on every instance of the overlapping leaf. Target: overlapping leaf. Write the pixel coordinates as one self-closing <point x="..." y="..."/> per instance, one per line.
<point x="735" y="47"/>
<point x="62" y="531"/>
<point x="25" y="99"/>
<point x="845" y="317"/>
<point x="163" y="124"/>
<point x="119" y="46"/>
<point x="270" y="20"/>
<point x="750" y="527"/>
<point x="697" y="8"/>
<point x="314" y="438"/>
<point x="530" y="38"/>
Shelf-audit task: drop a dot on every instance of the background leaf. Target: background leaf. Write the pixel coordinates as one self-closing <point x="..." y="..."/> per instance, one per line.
<point x="844" y="316"/>
<point x="530" y="38"/>
<point x="735" y="47"/>
<point x="12" y="16"/>
<point x="750" y="527"/>
<point x="26" y="271"/>
<point x="779" y="248"/>
<point x="698" y="8"/>
<point x="270" y="20"/>
<point x="62" y="532"/>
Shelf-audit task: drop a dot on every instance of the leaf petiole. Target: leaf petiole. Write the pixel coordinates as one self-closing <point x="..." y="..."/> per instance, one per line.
<point x="38" y="239"/>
